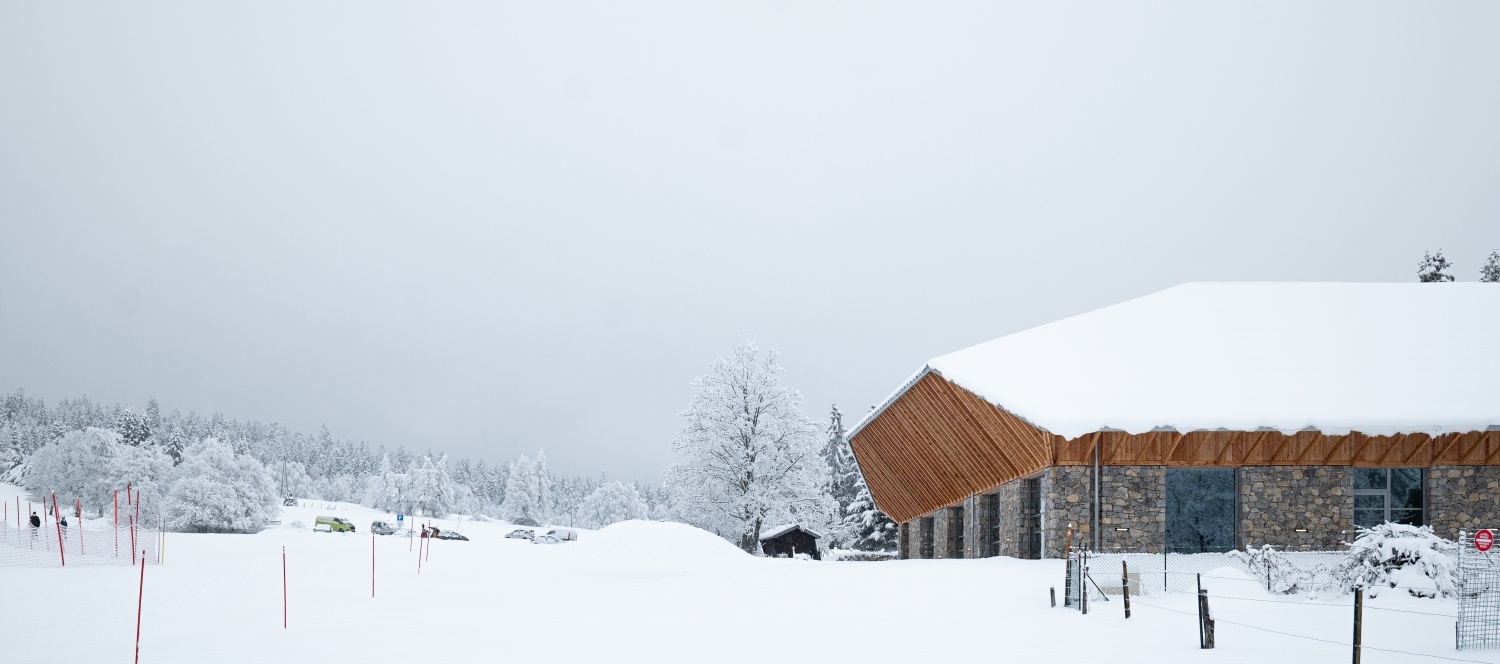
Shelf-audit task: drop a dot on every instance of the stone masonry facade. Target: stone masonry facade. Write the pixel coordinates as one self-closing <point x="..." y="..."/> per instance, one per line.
<point x="1462" y="498"/>
<point x="1277" y="501"/>
<point x="1273" y="504"/>
<point x="1132" y="508"/>
<point x="1067" y="495"/>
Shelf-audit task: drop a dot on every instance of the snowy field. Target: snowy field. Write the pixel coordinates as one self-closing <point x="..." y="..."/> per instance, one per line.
<point x="637" y="592"/>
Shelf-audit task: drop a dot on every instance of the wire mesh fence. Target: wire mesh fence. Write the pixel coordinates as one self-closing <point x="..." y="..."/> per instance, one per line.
<point x="1155" y="573"/>
<point x="55" y="546"/>
<point x="1478" y="591"/>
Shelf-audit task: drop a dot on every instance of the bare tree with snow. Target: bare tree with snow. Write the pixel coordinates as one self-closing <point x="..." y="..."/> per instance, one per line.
<point x="752" y="454"/>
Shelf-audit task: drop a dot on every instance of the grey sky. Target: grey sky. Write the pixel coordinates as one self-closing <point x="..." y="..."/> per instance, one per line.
<point x="489" y="228"/>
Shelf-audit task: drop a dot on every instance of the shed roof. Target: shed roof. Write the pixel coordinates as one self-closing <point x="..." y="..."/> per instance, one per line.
<point x="1337" y="357"/>
<point x="778" y="531"/>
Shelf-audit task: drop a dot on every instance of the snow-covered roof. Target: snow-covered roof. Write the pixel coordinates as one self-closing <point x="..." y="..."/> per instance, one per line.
<point x="778" y="531"/>
<point x="1374" y="358"/>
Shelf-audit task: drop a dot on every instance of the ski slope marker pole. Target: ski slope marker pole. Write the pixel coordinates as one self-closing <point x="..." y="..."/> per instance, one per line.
<point x="132" y="540"/>
<point x="140" y="594"/>
<point x="283" y="587"/>
<point x="57" y="523"/>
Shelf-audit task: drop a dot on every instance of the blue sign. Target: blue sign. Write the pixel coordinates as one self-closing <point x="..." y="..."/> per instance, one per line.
<point x="400" y="517"/>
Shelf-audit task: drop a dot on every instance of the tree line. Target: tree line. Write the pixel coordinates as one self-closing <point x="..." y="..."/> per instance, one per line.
<point x="752" y="460"/>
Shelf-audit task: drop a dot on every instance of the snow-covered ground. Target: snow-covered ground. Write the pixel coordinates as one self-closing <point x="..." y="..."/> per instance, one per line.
<point x="637" y="592"/>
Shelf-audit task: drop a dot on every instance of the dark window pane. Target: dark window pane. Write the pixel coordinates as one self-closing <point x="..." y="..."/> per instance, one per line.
<point x="1406" y="488"/>
<point x="1369" y="478"/>
<point x="1200" y="510"/>
<point x="1409" y="517"/>
<point x="1369" y="518"/>
<point x="1369" y="502"/>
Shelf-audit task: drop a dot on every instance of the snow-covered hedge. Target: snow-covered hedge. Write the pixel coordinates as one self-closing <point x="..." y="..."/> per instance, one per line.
<point x="1389" y="555"/>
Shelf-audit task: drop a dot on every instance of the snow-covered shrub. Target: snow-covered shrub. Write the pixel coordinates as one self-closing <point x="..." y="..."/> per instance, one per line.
<point x="1274" y="570"/>
<point x="219" y="492"/>
<point x="1400" y="556"/>
<point x="612" y="502"/>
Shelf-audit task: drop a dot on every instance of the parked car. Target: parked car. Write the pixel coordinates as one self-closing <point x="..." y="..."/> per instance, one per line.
<point x="382" y="528"/>
<point x="333" y="524"/>
<point x="564" y="534"/>
<point x="450" y="535"/>
<point x="521" y="533"/>
<point x="546" y="539"/>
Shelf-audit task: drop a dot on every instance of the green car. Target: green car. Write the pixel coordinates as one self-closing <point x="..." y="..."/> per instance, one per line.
<point x="333" y="524"/>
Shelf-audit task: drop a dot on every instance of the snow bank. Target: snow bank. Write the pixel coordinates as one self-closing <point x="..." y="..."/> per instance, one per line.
<point x="661" y="540"/>
<point x="1376" y="358"/>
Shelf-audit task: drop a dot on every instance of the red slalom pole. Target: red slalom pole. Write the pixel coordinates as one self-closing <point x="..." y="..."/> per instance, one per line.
<point x="283" y="587"/>
<point x="140" y="594"/>
<point x="57" y="523"/>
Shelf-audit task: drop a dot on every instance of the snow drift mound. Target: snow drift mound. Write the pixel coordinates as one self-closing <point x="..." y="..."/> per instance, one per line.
<point x="660" y="540"/>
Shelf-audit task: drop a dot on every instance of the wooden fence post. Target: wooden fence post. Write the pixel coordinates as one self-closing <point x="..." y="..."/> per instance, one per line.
<point x="1125" y="586"/>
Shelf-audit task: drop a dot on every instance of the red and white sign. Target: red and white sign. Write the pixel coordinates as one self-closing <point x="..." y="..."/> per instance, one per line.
<point x="1484" y="539"/>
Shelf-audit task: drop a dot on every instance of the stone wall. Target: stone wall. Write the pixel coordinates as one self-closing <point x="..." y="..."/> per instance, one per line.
<point x="1462" y="498"/>
<point x="1067" y="498"/>
<point x="981" y="516"/>
<point x="1133" y="498"/>
<point x="1009" y="495"/>
<point x="947" y="524"/>
<point x="1276" y="501"/>
<point x="924" y="538"/>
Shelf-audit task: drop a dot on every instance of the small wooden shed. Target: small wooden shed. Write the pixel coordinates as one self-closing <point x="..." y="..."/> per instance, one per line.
<point x="789" y="540"/>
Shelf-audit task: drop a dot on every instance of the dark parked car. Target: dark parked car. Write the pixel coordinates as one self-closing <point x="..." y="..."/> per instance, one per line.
<point x="450" y="535"/>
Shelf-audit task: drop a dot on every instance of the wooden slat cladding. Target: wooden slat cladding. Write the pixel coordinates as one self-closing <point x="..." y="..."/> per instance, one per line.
<point x="938" y="444"/>
<point x="1273" y="448"/>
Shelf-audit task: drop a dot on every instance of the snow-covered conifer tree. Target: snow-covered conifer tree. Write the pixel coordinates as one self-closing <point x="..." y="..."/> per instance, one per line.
<point x="1434" y="268"/>
<point x="844" y="477"/>
<point x="752" y="454"/>
<point x="523" y="491"/>
<point x="871" y="529"/>
<point x="611" y="502"/>
<point x="1490" y="273"/>
<point x="134" y="428"/>
<point x="176" y="442"/>
<point x="430" y="488"/>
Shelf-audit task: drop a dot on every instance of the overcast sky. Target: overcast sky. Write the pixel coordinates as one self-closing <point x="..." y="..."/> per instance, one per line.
<point x="487" y="228"/>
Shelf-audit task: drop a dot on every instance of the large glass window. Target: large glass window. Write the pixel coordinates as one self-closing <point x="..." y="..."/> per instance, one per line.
<point x="1200" y="510"/>
<point x="1387" y="494"/>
